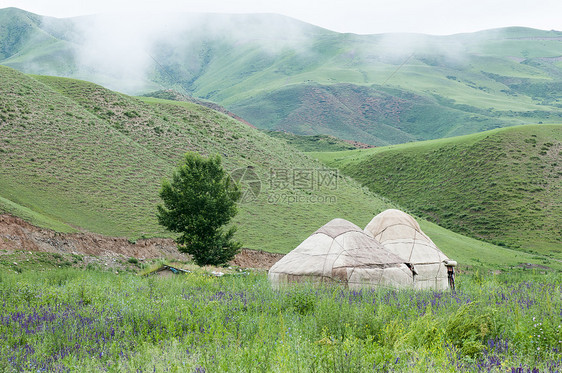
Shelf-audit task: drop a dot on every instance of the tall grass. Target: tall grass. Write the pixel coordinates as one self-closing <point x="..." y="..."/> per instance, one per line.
<point x="69" y="320"/>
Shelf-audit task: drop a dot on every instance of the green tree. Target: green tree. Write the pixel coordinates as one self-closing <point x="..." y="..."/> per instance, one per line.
<point x="199" y="201"/>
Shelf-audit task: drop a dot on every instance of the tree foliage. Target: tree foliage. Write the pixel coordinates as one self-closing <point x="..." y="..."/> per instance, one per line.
<point x="199" y="201"/>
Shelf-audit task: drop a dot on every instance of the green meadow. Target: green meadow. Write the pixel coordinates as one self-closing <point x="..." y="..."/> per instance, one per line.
<point x="71" y="320"/>
<point x="78" y="157"/>
<point x="74" y="153"/>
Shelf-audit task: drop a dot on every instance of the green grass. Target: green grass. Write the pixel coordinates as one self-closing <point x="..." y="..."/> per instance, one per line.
<point x="502" y="186"/>
<point x="89" y="321"/>
<point x="82" y="155"/>
<point x="35" y="218"/>
<point x="478" y="254"/>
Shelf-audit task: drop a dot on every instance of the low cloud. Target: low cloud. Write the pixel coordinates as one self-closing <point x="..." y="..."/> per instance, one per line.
<point x="121" y="51"/>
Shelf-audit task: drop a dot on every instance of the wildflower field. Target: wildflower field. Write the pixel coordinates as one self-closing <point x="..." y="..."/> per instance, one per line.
<point x="79" y="320"/>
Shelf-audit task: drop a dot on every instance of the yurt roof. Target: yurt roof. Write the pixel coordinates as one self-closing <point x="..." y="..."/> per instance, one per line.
<point x="400" y="233"/>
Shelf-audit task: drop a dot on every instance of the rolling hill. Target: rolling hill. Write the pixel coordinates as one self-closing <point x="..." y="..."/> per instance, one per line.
<point x="285" y="75"/>
<point x="75" y="156"/>
<point x="503" y="186"/>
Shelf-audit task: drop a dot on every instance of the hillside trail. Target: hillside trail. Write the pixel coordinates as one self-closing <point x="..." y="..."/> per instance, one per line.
<point x="17" y="234"/>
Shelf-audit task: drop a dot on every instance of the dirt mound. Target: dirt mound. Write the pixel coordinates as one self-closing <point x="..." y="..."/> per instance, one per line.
<point x="255" y="259"/>
<point x="17" y="234"/>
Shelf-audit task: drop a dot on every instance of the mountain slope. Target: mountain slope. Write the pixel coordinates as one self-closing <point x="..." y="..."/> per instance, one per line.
<point x="282" y="74"/>
<point x="374" y="114"/>
<point x="36" y="43"/>
<point x="503" y="186"/>
<point x="75" y="153"/>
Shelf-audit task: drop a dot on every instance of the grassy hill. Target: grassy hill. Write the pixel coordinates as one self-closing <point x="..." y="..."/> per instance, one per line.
<point x="503" y="186"/>
<point x="285" y="75"/>
<point x="76" y="156"/>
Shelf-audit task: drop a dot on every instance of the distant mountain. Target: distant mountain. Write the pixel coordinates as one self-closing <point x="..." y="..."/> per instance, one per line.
<point x="285" y="75"/>
<point x="503" y="186"/>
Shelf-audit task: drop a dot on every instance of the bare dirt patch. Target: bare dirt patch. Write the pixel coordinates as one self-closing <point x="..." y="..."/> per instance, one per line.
<point x="17" y="234"/>
<point x="255" y="259"/>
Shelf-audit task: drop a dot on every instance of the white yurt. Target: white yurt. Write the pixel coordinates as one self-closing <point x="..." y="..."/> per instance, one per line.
<point x="401" y="234"/>
<point x="342" y="252"/>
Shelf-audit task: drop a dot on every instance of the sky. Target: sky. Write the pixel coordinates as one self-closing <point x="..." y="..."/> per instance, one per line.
<point x="435" y="17"/>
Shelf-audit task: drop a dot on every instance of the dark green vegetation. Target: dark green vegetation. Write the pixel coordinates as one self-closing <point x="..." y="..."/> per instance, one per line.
<point x="286" y="75"/>
<point x="71" y="320"/>
<point x="503" y="186"/>
<point x="198" y="202"/>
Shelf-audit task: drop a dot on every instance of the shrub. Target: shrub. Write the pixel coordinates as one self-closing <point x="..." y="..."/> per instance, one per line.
<point x="302" y="301"/>
<point x="467" y="329"/>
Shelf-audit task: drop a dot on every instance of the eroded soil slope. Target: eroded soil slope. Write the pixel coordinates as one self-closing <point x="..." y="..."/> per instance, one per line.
<point x="17" y="234"/>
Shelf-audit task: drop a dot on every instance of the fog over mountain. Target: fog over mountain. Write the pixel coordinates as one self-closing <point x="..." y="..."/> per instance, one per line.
<point x="282" y="74"/>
